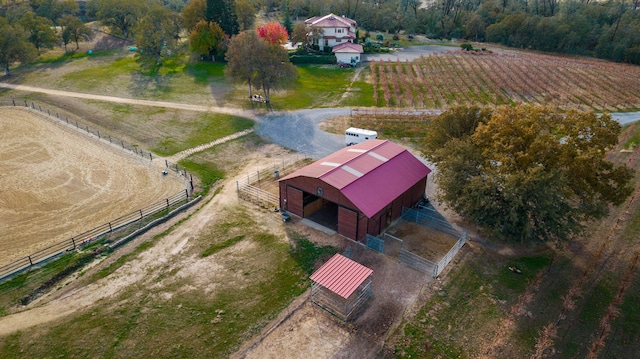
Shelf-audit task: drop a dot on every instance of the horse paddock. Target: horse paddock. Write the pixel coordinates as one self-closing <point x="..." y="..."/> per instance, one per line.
<point x="58" y="182"/>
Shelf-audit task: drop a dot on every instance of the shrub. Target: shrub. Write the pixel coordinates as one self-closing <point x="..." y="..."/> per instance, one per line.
<point x="313" y="59"/>
<point x="379" y="37"/>
<point x="396" y="37"/>
<point x="466" y="46"/>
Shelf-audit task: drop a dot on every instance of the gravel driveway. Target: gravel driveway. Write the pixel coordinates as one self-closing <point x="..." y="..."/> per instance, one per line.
<point x="408" y="53"/>
<point x="299" y="130"/>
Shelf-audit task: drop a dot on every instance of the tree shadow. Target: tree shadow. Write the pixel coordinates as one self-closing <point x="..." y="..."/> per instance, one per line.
<point x="148" y="81"/>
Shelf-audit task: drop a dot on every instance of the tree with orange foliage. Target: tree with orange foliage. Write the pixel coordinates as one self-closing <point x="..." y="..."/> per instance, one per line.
<point x="273" y="33"/>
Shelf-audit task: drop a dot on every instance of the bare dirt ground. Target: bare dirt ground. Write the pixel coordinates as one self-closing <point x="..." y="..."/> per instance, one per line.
<point x="425" y="242"/>
<point x="57" y="182"/>
<point x="304" y="330"/>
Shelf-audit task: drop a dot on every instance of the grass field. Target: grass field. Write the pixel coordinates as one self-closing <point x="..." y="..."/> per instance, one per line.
<point x="215" y="278"/>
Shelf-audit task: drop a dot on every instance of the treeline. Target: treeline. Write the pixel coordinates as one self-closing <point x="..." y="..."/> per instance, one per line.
<point x="606" y="29"/>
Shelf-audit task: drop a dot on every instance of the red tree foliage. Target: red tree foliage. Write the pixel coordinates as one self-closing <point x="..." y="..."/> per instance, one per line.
<point x="273" y="33"/>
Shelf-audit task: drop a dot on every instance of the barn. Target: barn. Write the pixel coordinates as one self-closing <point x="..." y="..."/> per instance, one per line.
<point x="357" y="190"/>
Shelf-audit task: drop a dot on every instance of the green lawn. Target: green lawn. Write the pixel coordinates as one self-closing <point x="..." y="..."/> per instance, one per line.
<point x="256" y="283"/>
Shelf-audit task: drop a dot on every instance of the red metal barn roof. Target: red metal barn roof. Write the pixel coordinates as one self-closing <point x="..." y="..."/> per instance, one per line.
<point x="341" y="275"/>
<point x="370" y="174"/>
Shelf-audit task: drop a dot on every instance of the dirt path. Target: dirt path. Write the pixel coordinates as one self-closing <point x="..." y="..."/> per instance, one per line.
<point x="180" y="155"/>
<point x="165" y="104"/>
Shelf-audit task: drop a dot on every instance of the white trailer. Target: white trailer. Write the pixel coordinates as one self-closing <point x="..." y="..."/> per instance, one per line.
<point x="355" y="135"/>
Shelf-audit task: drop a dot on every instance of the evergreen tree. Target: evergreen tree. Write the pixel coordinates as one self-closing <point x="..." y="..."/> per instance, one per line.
<point x="223" y="12"/>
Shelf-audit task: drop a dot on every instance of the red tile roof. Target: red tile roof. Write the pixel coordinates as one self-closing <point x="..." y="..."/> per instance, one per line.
<point x="341" y="275"/>
<point x="330" y="20"/>
<point x="348" y="47"/>
<point x="370" y="174"/>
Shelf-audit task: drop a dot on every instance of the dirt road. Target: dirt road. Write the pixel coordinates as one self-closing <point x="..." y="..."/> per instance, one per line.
<point x="165" y="104"/>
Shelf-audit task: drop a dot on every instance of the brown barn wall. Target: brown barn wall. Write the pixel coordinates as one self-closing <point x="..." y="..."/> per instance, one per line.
<point x="347" y="222"/>
<point x="363" y="223"/>
<point x="311" y="185"/>
<point x="351" y="223"/>
<point x="294" y="201"/>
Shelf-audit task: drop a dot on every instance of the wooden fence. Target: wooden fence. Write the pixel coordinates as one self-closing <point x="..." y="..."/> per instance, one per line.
<point x="161" y="209"/>
<point x="249" y="187"/>
<point x="102" y="136"/>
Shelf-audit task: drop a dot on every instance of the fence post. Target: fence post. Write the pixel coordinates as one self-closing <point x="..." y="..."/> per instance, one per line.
<point x="30" y="262"/>
<point x="67" y="119"/>
<point x="150" y="158"/>
<point x="140" y="213"/>
<point x="166" y="163"/>
<point x="58" y="115"/>
<point x="186" y="193"/>
<point x="99" y="134"/>
<point x="77" y="124"/>
<point x="14" y="102"/>
<point x="40" y="107"/>
<point x="110" y="228"/>
<point x="74" y="243"/>
<point x="167" y="202"/>
<point x="87" y="128"/>
<point x="122" y="144"/>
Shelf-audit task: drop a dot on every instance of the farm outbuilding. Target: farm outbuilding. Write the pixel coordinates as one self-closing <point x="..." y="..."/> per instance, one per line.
<point x="341" y="286"/>
<point x="357" y="190"/>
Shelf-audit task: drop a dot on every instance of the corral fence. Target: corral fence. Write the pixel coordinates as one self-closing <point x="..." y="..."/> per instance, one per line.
<point x="250" y="188"/>
<point x="111" y="234"/>
<point x="103" y="137"/>
<point x="393" y="246"/>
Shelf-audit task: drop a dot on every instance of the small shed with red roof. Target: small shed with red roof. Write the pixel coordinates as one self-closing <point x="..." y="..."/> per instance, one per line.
<point x="341" y="286"/>
<point x="357" y="190"/>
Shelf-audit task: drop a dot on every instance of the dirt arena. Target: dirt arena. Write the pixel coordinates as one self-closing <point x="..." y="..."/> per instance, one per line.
<point x="57" y="182"/>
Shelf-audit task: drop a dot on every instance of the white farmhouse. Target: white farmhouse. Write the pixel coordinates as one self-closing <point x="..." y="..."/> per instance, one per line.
<point x="335" y="30"/>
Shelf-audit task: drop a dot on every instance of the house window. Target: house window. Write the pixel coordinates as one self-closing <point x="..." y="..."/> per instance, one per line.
<point x="326" y="42"/>
<point x="338" y="40"/>
<point x="339" y="31"/>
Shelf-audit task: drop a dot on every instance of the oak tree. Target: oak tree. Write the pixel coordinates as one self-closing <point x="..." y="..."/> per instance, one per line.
<point x="207" y="38"/>
<point x="40" y="29"/>
<point x="193" y="13"/>
<point x="121" y="15"/>
<point x="14" y="45"/>
<point x="254" y="61"/>
<point x="74" y="30"/>
<point x="527" y="173"/>
<point x="158" y="33"/>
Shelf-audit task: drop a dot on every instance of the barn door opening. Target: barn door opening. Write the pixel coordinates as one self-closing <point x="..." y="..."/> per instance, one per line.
<point x="321" y="211"/>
